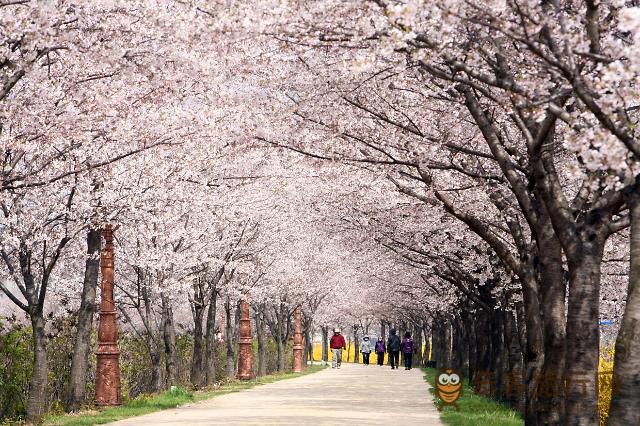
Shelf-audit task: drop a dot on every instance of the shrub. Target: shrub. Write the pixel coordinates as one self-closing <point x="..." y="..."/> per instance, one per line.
<point x="605" y="382"/>
<point x="15" y="367"/>
<point x="16" y="358"/>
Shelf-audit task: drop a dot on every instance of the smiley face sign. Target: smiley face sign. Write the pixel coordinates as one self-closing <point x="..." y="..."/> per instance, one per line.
<point x="448" y="387"/>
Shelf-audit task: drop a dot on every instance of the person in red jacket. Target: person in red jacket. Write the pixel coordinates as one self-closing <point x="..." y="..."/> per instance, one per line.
<point x="337" y="344"/>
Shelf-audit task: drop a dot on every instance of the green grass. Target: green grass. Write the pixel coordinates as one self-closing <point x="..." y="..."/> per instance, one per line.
<point x="475" y="409"/>
<point x="145" y="404"/>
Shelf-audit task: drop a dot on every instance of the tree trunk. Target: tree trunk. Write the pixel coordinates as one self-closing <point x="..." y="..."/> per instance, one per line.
<point x="236" y="334"/>
<point x="280" y="359"/>
<point x="308" y="346"/>
<point x="37" y="401"/>
<point x="229" y="340"/>
<point x="417" y="333"/>
<point x="625" y="399"/>
<point x="497" y="346"/>
<point x="210" y="339"/>
<point x="82" y="346"/>
<point x="157" y="383"/>
<point x="447" y="343"/>
<point x="553" y="293"/>
<point x="356" y="346"/>
<point x="196" y="357"/>
<point x="464" y="329"/>
<point x="514" y="385"/>
<point x="581" y="373"/>
<point x="534" y="353"/>
<point x="280" y="336"/>
<point x="383" y="329"/>
<point x="457" y="344"/>
<point x="427" y="347"/>
<point x="436" y="338"/>
<point x="325" y="344"/>
<point x="483" y="354"/>
<point x="522" y="328"/>
<point x="473" y="349"/>
<point x="262" y="361"/>
<point x="169" y="337"/>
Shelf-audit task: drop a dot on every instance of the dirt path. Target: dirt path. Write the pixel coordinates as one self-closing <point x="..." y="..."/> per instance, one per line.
<point x="352" y="395"/>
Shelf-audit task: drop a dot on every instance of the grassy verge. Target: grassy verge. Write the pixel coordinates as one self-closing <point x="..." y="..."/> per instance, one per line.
<point x="475" y="409"/>
<point x="145" y="404"/>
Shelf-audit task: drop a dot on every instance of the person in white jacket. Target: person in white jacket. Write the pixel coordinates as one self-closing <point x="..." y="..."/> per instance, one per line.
<point x="365" y="348"/>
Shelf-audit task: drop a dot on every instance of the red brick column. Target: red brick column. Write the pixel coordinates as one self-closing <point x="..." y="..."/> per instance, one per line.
<point x="108" y="355"/>
<point x="245" y="355"/>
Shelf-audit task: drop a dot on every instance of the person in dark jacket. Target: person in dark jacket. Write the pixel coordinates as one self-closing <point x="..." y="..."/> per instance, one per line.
<point x="393" y="348"/>
<point x="380" y="350"/>
<point x="408" y="349"/>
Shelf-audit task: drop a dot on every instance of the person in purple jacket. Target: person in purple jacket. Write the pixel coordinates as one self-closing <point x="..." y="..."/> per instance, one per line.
<point x="408" y="348"/>
<point x="380" y="349"/>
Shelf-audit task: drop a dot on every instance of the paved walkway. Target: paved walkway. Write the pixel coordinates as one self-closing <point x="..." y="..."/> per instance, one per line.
<point x="367" y="395"/>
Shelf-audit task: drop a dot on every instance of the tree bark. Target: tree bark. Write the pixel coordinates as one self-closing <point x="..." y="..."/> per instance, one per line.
<point x="464" y="330"/>
<point x="229" y="340"/>
<point x="236" y="334"/>
<point x="325" y="344"/>
<point x="514" y="385"/>
<point x="483" y="354"/>
<point x="581" y="373"/>
<point x="553" y="293"/>
<point x="82" y="346"/>
<point x="448" y="337"/>
<point x="436" y="339"/>
<point x="497" y="345"/>
<point x="37" y="401"/>
<point x="625" y="397"/>
<point x="262" y="354"/>
<point x="282" y="341"/>
<point x="308" y="345"/>
<point x="417" y="359"/>
<point x="455" y="344"/>
<point x="534" y="349"/>
<point x="210" y="339"/>
<point x="196" y="357"/>
<point x="157" y="383"/>
<point x="427" y="346"/>
<point x="356" y="345"/>
<point x="169" y="337"/>
<point x="473" y="349"/>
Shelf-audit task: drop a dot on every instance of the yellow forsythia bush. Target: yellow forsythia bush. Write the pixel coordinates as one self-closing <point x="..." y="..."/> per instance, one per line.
<point x="347" y="356"/>
<point x="605" y="382"/>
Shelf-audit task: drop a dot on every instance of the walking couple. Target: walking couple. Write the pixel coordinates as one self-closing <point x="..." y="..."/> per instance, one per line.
<point x="395" y="346"/>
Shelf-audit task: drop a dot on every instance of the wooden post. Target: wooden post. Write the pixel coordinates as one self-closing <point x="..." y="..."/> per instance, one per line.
<point x="297" y="341"/>
<point x="108" y="355"/>
<point x="245" y="354"/>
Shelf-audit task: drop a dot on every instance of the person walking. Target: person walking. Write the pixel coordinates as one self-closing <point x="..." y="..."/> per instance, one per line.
<point x="380" y="350"/>
<point x="393" y="349"/>
<point x="337" y="344"/>
<point x="365" y="348"/>
<point x="408" y="349"/>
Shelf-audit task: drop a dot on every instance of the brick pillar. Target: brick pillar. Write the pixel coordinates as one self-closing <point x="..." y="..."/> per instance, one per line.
<point x="297" y="341"/>
<point x="107" y="362"/>
<point x="245" y="355"/>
